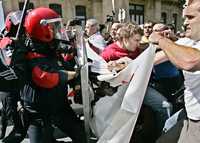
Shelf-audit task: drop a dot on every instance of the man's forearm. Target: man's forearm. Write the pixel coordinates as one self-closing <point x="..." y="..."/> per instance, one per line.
<point x="184" y="57"/>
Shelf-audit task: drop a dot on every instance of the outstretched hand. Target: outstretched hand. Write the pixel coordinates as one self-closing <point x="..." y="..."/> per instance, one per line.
<point x="115" y="66"/>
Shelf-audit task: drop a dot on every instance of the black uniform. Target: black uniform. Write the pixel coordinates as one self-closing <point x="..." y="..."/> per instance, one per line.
<point x="45" y="93"/>
<point x="12" y="78"/>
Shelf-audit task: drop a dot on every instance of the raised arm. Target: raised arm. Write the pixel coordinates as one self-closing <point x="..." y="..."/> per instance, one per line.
<point x="186" y="58"/>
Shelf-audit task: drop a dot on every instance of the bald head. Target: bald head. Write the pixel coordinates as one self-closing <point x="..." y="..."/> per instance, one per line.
<point x="188" y="2"/>
<point x="193" y="7"/>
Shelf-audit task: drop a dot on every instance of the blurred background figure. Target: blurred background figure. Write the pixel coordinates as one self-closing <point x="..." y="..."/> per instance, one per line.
<point x="95" y="39"/>
<point x="113" y="31"/>
<point x="148" y="29"/>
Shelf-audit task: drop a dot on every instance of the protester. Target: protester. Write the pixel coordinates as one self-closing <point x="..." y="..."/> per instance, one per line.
<point x="186" y="56"/>
<point x="113" y="31"/>
<point x="127" y="44"/>
<point x="148" y="29"/>
<point x="120" y="53"/>
<point x="95" y="39"/>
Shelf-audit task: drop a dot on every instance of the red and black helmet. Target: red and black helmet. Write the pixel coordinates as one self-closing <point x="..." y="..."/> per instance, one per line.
<point x="8" y="23"/>
<point x="12" y="20"/>
<point x="35" y="26"/>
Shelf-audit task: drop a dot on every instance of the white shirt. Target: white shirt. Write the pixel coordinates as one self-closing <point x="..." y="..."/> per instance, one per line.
<point x="192" y="85"/>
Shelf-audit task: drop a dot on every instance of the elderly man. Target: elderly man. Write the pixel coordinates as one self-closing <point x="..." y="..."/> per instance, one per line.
<point x="95" y="40"/>
<point x="187" y="57"/>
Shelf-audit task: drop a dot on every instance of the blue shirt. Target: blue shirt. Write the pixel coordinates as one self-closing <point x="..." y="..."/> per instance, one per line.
<point x="165" y="70"/>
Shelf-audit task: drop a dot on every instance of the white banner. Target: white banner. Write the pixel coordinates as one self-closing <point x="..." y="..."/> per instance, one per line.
<point x="115" y="117"/>
<point x="1" y="16"/>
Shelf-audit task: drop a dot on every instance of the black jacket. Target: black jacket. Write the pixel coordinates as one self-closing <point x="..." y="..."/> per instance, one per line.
<point x="46" y="87"/>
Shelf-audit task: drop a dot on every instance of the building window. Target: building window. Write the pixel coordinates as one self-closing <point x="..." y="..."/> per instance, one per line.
<point x="57" y="8"/>
<point x="30" y="6"/>
<point x="136" y="13"/>
<point x="164" y="17"/>
<point x="175" y="20"/>
<point x="81" y="13"/>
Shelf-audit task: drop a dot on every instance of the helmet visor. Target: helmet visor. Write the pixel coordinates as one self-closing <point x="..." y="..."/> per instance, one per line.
<point x="58" y="30"/>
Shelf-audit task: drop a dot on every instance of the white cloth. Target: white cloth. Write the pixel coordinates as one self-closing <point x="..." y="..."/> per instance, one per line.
<point x="98" y="65"/>
<point x="105" y="109"/>
<point x="171" y="121"/>
<point x="192" y="85"/>
<point x="97" y="41"/>
<point x="115" y="117"/>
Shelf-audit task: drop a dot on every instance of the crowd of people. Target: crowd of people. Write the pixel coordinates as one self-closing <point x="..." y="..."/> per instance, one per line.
<point x="39" y="68"/>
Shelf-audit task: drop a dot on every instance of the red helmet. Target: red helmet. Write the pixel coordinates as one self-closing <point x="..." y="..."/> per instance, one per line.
<point x="36" y="24"/>
<point x="12" y="19"/>
<point x="8" y="22"/>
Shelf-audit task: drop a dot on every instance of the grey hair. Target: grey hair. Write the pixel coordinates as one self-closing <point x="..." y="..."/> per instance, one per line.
<point x="94" y="22"/>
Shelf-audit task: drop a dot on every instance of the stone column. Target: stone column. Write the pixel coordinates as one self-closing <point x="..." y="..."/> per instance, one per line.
<point x="107" y="8"/>
<point x="10" y="5"/>
<point x="97" y="10"/>
<point x="68" y="9"/>
<point x="157" y="11"/>
<point x="125" y="5"/>
<point x="149" y="10"/>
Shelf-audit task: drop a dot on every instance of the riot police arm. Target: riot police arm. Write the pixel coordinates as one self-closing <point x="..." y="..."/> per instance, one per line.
<point x="184" y="57"/>
<point x="48" y="76"/>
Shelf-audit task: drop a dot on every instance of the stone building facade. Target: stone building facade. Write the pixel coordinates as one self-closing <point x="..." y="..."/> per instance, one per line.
<point x="167" y="11"/>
